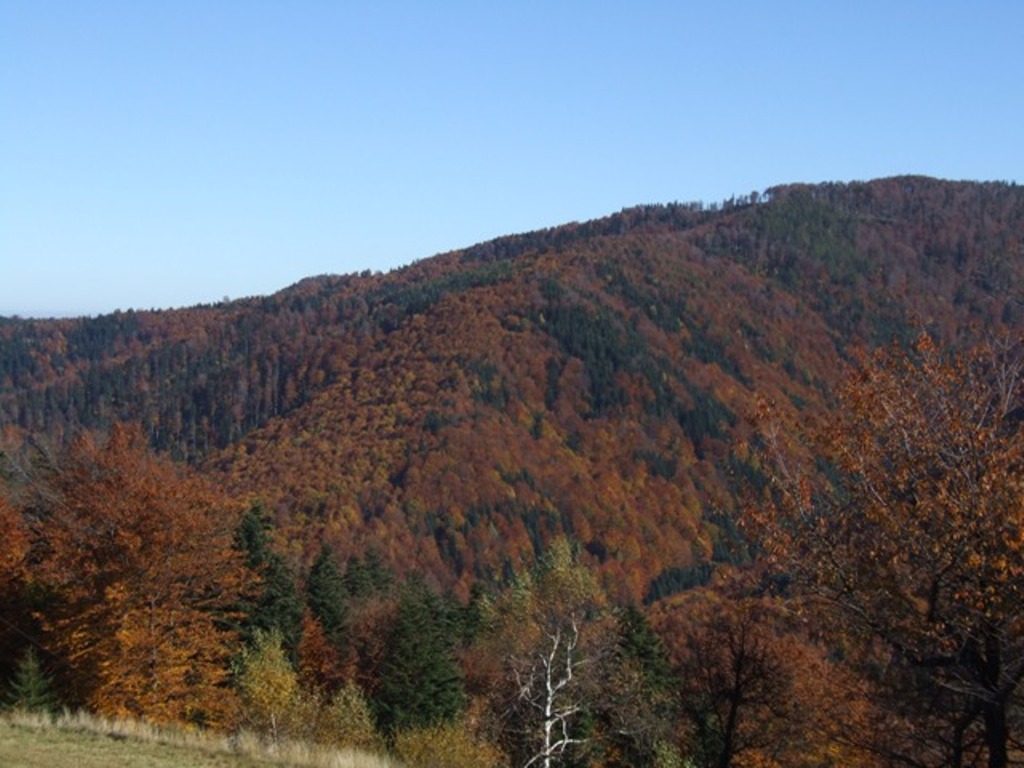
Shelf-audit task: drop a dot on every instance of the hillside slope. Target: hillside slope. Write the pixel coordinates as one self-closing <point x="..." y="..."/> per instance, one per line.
<point x="590" y="379"/>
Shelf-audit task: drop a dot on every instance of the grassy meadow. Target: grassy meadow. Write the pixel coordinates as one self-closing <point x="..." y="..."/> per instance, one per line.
<point x="83" y="741"/>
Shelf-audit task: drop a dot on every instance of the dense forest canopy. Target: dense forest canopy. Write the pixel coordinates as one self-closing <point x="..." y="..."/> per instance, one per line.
<point x="275" y="513"/>
<point x="590" y="379"/>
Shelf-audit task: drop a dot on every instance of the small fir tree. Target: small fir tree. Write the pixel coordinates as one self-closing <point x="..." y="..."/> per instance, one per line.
<point x="420" y="682"/>
<point x="275" y="605"/>
<point x="637" y="642"/>
<point x="364" y="578"/>
<point x="638" y="710"/>
<point x="327" y="597"/>
<point x="31" y="689"/>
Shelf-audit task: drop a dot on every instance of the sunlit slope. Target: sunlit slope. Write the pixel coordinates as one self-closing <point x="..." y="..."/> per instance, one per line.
<point x="590" y="379"/>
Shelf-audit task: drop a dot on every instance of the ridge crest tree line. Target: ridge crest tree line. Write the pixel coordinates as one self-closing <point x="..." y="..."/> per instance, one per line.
<point x="589" y="380"/>
<point x="880" y="623"/>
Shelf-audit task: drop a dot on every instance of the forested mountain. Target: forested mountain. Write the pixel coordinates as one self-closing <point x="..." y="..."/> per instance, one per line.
<point x="591" y="379"/>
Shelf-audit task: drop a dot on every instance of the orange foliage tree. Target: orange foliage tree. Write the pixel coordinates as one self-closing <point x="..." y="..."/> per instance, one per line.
<point x="13" y="543"/>
<point x="918" y="541"/>
<point x="140" y="572"/>
<point x="14" y="610"/>
<point x="755" y="691"/>
<point x="319" y="662"/>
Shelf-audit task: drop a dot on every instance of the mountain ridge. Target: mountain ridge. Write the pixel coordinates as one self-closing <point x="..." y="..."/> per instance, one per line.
<point x="589" y="379"/>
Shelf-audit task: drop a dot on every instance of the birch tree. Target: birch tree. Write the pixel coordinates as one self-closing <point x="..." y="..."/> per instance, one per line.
<point x="554" y="631"/>
<point x="544" y="684"/>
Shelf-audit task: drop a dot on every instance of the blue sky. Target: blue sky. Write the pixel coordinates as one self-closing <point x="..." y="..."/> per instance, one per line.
<point x="166" y="153"/>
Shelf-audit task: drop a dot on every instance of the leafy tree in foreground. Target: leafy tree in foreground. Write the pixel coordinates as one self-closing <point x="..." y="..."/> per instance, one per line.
<point x="548" y="641"/>
<point x="271" y="696"/>
<point x="919" y="544"/>
<point x="277" y="705"/>
<point x="755" y="692"/>
<point x="15" y="602"/>
<point x="346" y="721"/>
<point x="136" y="559"/>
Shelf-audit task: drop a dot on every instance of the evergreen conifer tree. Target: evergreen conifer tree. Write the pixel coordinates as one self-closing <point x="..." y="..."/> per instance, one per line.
<point x="275" y="605"/>
<point x="637" y="642"/>
<point x="367" y="577"/>
<point x="327" y="597"/>
<point x="639" y="709"/>
<point x="420" y="682"/>
<point x="31" y="688"/>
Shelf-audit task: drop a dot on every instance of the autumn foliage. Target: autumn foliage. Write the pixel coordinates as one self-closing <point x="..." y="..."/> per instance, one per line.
<point x="915" y="537"/>
<point x="459" y="473"/>
<point x="755" y="686"/>
<point x="139" y="575"/>
<point x="588" y="380"/>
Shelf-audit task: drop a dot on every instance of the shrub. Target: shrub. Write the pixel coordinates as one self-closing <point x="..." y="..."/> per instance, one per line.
<point x="452" y="745"/>
<point x="346" y="722"/>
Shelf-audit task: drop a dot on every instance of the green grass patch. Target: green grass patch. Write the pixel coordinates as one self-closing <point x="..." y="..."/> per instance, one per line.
<point x="84" y="741"/>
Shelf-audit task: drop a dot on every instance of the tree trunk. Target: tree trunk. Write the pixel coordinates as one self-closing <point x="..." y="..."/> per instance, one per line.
<point x="725" y="758"/>
<point x="996" y="735"/>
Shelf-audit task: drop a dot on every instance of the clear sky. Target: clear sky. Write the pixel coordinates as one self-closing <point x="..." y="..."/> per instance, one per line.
<point x="163" y="153"/>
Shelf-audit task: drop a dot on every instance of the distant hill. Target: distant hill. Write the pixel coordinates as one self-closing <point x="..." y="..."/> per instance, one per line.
<point x="592" y="378"/>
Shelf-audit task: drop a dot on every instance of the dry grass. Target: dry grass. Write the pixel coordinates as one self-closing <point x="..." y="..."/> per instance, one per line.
<point x="77" y="740"/>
